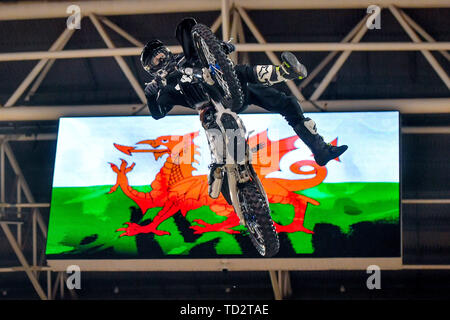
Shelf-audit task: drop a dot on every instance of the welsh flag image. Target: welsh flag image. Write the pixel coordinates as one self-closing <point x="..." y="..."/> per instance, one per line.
<point x="135" y="187"/>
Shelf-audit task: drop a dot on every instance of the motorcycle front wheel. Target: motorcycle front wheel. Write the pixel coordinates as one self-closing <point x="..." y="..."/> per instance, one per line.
<point x="212" y="56"/>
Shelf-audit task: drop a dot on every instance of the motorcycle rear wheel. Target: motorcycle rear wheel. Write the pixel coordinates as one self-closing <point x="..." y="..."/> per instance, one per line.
<point x="258" y="220"/>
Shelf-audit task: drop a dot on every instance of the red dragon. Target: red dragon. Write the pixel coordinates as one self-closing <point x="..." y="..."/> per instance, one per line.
<point x="175" y="189"/>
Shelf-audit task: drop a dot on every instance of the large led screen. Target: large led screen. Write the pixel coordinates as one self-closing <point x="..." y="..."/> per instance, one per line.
<point x="136" y="188"/>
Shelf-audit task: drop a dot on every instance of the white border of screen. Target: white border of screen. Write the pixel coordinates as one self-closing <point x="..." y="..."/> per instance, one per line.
<point x="241" y="264"/>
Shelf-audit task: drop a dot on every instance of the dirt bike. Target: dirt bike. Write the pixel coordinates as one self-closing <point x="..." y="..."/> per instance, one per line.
<point x="210" y="85"/>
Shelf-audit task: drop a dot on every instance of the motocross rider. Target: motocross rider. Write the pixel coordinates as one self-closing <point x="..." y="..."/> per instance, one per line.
<point x="163" y="93"/>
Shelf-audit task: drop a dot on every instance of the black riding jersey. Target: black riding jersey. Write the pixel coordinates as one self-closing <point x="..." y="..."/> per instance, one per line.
<point x="254" y="92"/>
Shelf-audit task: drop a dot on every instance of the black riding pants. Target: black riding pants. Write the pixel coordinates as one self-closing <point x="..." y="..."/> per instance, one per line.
<point x="267" y="97"/>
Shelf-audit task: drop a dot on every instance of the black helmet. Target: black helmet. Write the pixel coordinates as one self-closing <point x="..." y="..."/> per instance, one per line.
<point x="155" y="56"/>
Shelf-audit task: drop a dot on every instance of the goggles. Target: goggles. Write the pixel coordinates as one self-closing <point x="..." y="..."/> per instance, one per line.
<point x="160" y="59"/>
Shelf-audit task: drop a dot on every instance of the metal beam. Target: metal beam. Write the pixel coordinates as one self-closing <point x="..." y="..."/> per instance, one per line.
<point x="23" y="10"/>
<point x="23" y="261"/>
<point x="18" y="224"/>
<point x="275" y="285"/>
<point x="120" y="31"/>
<point x="11" y="222"/>
<point x="42" y="113"/>
<point x="34" y="239"/>
<point x="53" y="136"/>
<point x="341" y="4"/>
<point x="47" y="10"/>
<point x="54" y="113"/>
<point x="19" y="235"/>
<point x="337" y="65"/>
<point x="25" y="137"/>
<point x="56" y="46"/>
<point x="24" y="205"/>
<point x="225" y="13"/>
<point x="26" y="189"/>
<point x="216" y="24"/>
<point x="49" y="284"/>
<point x="2" y="171"/>
<point x="427" y="267"/>
<point x="240" y="47"/>
<point x="241" y="36"/>
<point x="426" y="201"/>
<point x="338" y="46"/>
<point x="433" y="105"/>
<point x="120" y="61"/>
<point x="61" y="286"/>
<point x="19" y="200"/>
<point x="272" y="57"/>
<point x="287" y="284"/>
<point x="21" y="268"/>
<point x="426" y="130"/>
<point x="422" y="32"/>
<point x="71" y="54"/>
<point x="307" y="46"/>
<point x="330" y="56"/>
<point x="427" y="54"/>
<point x="234" y="35"/>
<point x="284" y="283"/>
<point x="56" y="285"/>
<point x="45" y="71"/>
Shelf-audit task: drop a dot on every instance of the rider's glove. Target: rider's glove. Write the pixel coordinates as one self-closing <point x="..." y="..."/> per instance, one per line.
<point x="152" y="88"/>
<point x="227" y="47"/>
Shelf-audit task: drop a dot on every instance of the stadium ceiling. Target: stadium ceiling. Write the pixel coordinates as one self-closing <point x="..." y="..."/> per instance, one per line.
<point x="234" y="20"/>
<point x="57" y="9"/>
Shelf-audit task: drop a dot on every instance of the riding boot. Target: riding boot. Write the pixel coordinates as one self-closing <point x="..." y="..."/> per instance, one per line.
<point x="323" y="152"/>
<point x="290" y="69"/>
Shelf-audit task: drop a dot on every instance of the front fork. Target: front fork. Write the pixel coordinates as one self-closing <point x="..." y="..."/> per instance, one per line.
<point x="221" y="137"/>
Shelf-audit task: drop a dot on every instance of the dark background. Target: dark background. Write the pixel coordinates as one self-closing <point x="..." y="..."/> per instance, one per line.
<point x="366" y="75"/>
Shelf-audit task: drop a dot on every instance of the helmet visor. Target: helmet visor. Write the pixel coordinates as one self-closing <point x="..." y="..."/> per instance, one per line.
<point x="157" y="61"/>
